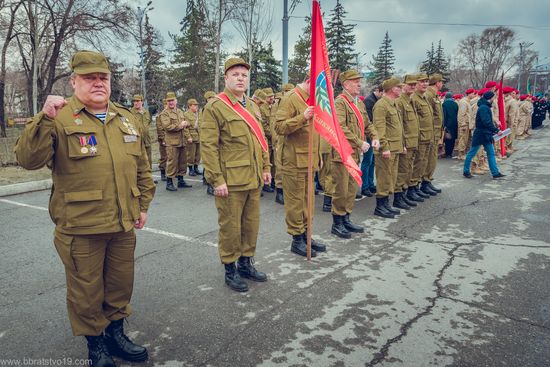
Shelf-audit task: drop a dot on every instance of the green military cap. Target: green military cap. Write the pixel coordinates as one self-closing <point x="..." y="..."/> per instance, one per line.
<point x="268" y="92"/>
<point x="410" y="79"/>
<point x="287" y="87"/>
<point x="434" y="78"/>
<point x="260" y="94"/>
<point x="390" y="83"/>
<point x="87" y="62"/>
<point x="137" y="97"/>
<point x="349" y="75"/>
<point x="192" y="101"/>
<point x="235" y="61"/>
<point x="209" y="94"/>
<point x="422" y="76"/>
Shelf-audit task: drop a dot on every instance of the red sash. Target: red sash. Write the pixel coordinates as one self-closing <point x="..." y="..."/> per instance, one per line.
<point x="297" y="91"/>
<point x="247" y="117"/>
<point x="357" y="114"/>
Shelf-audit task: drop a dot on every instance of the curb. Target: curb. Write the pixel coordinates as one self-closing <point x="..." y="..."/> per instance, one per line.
<point x="24" y="187"/>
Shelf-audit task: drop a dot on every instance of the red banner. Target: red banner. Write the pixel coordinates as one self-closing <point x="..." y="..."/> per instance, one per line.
<point x="501" y="116"/>
<point x="321" y="96"/>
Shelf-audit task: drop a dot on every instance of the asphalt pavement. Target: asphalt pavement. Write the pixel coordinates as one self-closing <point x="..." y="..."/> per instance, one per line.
<point x="461" y="280"/>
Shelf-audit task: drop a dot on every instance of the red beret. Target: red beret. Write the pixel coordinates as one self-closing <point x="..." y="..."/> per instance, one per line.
<point x="482" y="91"/>
<point x="517" y="91"/>
<point x="458" y="96"/>
<point x="507" y="89"/>
<point x="470" y="90"/>
<point x="490" y="84"/>
<point x="522" y="97"/>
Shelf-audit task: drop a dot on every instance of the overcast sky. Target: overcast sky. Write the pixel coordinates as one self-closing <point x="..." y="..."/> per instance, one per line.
<point x="410" y="41"/>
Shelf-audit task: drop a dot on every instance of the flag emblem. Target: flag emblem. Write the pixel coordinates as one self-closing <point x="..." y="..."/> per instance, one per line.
<point x="321" y="93"/>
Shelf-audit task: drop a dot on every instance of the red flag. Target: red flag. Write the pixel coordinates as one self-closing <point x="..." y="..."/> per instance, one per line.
<point x="501" y="116"/>
<point x="321" y="96"/>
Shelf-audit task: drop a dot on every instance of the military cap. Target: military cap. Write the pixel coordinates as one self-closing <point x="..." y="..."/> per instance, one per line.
<point x="458" y="96"/>
<point x="410" y="79"/>
<point x="481" y="91"/>
<point x="349" y="75"/>
<point x="260" y="94"/>
<point x="287" y="87"/>
<point x="170" y="96"/>
<point x="87" y="62"/>
<point x="137" y="97"/>
<point x="235" y="61"/>
<point x="268" y="92"/>
<point x="470" y="91"/>
<point x="507" y="89"/>
<point x="490" y="84"/>
<point x="523" y="97"/>
<point x="209" y="94"/>
<point x="422" y="76"/>
<point x="434" y="78"/>
<point x="390" y="83"/>
<point x="192" y="101"/>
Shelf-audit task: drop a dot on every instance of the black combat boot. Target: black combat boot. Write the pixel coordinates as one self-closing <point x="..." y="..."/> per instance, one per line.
<point x="408" y="201"/>
<point x="315" y="245"/>
<point x="280" y="198"/>
<point x="162" y="174"/>
<point x="210" y="190"/>
<point x="98" y="354"/>
<point x="366" y="192"/>
<point x="411" y="195"/>
<point x="421" y="193"/>
<point x="338" y="227"/>
<point x="273" y="183"/>
<point x="197" y="170"/>
<point x="121" y="346"/>
<point x="247" y="270"/>
<point x="351" y="227"/>
<point x="192" y="171"/>
<point x="233" y="279"/>
<point x="426" y="189"/>
<point x="298" y="246"/>
<point x="436" y="189"/>
<point x="381" y="210"/>
<point x="398" y="201"/>
<point x="182" y="183"/>
<point x="358" y="195"/>
<point x="267" y="188"/>
<point x="389" y="207"/>
<point x="327" y="204"/>
<point x="170" y="184"/>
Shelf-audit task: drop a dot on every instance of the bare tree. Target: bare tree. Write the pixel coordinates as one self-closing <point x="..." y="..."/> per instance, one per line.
<point x="253" y="22"/>
<point x="488" y="54"/>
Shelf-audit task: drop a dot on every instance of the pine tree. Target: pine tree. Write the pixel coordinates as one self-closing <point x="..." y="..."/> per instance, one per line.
<point x="441" y="63"/>
<point x="265" y="69"/>
<point x="298" y="65"/>
<point x="427" y="66"/>
<point x="194" y="54"/>
<point x="154" y="67"/>
<point x="382" y="63"/>
<point x="340" y="40"/>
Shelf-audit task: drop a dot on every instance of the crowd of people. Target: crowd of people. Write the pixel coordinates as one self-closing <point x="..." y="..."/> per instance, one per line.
<point x="100" y="156"/>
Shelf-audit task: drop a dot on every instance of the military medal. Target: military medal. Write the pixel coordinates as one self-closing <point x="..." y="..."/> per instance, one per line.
<point x="92" y="141"/>
<point x="82" y="140"/>
<point x="77" y="119"/>
<point x="84" y="150"/>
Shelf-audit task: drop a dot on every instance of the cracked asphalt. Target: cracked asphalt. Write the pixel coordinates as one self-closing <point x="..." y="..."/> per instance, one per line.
<point x="462" y="280"/>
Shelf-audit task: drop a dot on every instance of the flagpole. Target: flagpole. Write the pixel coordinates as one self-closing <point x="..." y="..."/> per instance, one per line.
<point x="502" y="116"/>
<point x="309" y="188"/>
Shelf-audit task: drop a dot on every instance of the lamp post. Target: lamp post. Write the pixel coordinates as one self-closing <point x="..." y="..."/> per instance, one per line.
<point x="140" y="14"/>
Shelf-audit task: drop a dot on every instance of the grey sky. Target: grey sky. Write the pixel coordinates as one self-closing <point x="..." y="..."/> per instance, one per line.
<point x="410" y="42"/>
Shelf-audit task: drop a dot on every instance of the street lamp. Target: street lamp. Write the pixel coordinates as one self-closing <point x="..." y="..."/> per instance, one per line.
<point x="140" y="14"/>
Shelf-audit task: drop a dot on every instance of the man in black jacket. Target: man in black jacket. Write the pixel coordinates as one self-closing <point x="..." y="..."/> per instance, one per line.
<point x="367" y="164"/>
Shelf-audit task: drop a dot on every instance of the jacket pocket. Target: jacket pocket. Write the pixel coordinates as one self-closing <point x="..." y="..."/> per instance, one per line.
<point x="238" y="172"/>
<point x="74" y="146"/>
<point x="84" y="208"/>
<point x="301" y="157"/>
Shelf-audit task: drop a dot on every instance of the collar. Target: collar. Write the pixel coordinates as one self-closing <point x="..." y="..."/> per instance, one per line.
<point x="350" y="97"/>
<point x="77" y="107"/>
<point x="303" y="93"/>
<point x="232" y="96"/>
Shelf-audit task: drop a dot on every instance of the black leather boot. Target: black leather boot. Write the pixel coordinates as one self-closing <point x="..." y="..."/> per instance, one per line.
<point x="327" y="204"/>
<point x="121" y="346"/>
<point x="411" y="195"/>
<point x="162" y="174"/>
<point x="408" y="201"/>
<point x="350" y="226"/>
<point x="170" y="184"/>
<point x="182" y="183"/>
<point x="389" y="207"/>
<point x="280" y="198"/>
<point x="421" y="193"/>
<point x="436" y="189"/>
<point x="267" y="188"/>
<point x="247" y="270"/>
<point x="233" y="279"/>
<point x="358" y="195"/>
<point x="210" y="190"/>
<point x="381" y="210"/>
<point x="192" y="171"/>
<point x="197" y="170"/>
<point x="98" y="353"/>
<point x="398" y="201"/>
<point x="298" y="246"/>
<point x="338" y="227"/>
<point x="315" y="245"/>
<point x="426" y="189"/>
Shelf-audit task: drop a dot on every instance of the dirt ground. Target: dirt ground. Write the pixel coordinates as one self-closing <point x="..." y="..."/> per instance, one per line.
<point x="11" y="175"/>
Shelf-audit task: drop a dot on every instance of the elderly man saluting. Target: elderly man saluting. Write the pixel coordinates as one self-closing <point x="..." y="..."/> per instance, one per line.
<point x="102" y="188"/>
